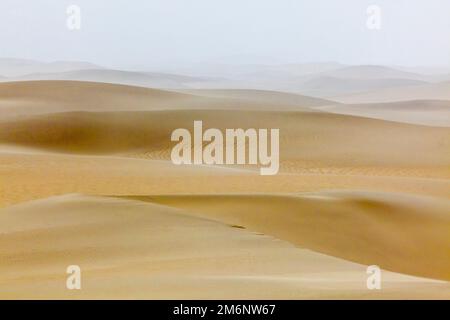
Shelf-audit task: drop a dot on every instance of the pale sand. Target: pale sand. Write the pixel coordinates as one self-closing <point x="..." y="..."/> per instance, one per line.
<point x="365" y="190"/>
<point x="432" y="91"/>
<point x="132" y="249"/>
<point x="25" y="98"/>
<point x="424" y="112"/>
<point x="408" y="234"/>
<point x="34" y="176"/>
<point x="321" y="139"/>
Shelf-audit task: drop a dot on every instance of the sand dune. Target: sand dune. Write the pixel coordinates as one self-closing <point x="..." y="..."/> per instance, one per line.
<point x="356" y="226"/>
<point x="433" y="91"/>
<point x="319" y="151"/>
<point x="356" y="79"/>
<point x="326" y="86"/>
<point x="254" y="70"/>
<point x="42" y="97"/>
<point x="133" y="249"/>
<point x="362" y="191"/>
<point x="11" y="67"/>
<point x="320" y="138"/>
<point x="372" y="72"/>
<point x="320" y="81"/>
<point x="31" y="174"/>
<point x="425" y="112"/>
<point x="263" y="96"/>
<point x="143" y="79"/>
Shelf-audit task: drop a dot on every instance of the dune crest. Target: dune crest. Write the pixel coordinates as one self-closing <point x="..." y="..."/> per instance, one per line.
<point x="132" y="249"/>
<point x="355" y="226"/>
<point x="423" y="112"/>
<point x="351" y="191"/>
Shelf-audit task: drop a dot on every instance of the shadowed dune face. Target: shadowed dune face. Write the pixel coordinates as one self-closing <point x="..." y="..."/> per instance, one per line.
<point x="321" y="138"/>
<point x="424" y="112"/>
<point x="365" y="190"/>
<point x="326" y="86"/>
<point x="433" y="91"/>
<point x="144" y="79"/>
<point x="372" y="72"/>
<point x="11" y="67"/>
<point x="133" y="249"/>
<point x="42" y="97"/>
<point x="27" y="98"/>
<point x="320" y="80"/>
<point x="261" y="96"/>
<point x="408" y="234"/>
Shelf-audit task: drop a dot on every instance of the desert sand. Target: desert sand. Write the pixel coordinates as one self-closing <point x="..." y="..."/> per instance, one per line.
<point x="86" y="179"/>
<point x="424" y="112"/>
<point x="432" y="91"/>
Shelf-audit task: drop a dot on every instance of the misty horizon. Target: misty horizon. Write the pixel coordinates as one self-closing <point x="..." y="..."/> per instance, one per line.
<point x="185" y="68"/>
<point x="153" y="35"/>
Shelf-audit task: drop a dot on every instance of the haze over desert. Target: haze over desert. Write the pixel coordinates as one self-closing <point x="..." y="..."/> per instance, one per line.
<point x="88" y="180"/>
<point x="228" y="150"/>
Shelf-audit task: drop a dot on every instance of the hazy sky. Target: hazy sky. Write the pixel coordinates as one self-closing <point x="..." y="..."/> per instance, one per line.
<point x="149" y="33"/>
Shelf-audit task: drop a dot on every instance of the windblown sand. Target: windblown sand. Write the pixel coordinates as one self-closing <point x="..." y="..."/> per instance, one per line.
<point x="86" y="179"/>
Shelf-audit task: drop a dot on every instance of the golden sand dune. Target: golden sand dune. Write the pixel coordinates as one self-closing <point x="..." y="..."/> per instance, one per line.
<point x="425" y="112"/>
<point x="432" y="91"/>
<point x="24" y="98"/>
<point x="16" y="67"/>
<point x="354" y="80"/>
<point x="330" y="87"/>
<point x="134" y="249"/>
<point x="319" y="151"/>
<point x="408" y="234"/>
<point x="320" y="138"/>
<point x="364" y="190"/>
<point x="32" y="175"/>
<point x="144" y="79"/>
<point x="42" y="97"/>
<point x="362" y="72"/>
<point x="262" y="96"/>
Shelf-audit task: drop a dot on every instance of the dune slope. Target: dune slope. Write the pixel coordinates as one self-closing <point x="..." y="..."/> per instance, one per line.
<point x="131" y="249"/>
<point x="25" y="98"/>
<point x="351" y="192"/>
<point x="423" y="112"/>
<point x="318" y="138"/>
<point x="408" y="234"/>
<point x="432" y="91"/>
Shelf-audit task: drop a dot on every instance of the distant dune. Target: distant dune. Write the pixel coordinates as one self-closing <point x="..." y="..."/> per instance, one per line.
<point x="319" y="80"/>
<point x="365" y="72"/>
<point x="250" y="71"/>
<point x="10" y="67"/>
<point x="38" y="97"/>
<point x="432" y="91"/>
<point x="325" y="80"/>
<point x="263" y="96"/>
<point x="331" y="86"/>
<point x="357" y="79"/>
<point x="425" y="112"/>
<point x="143" y="79"/>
